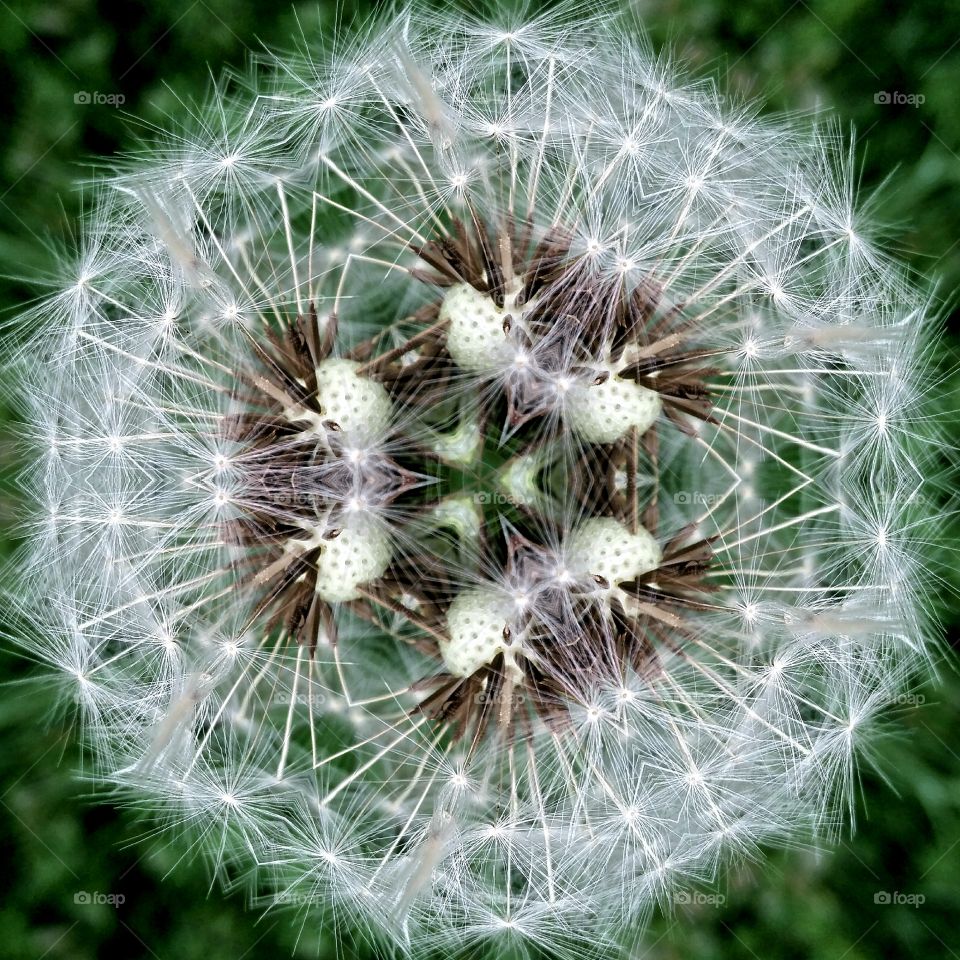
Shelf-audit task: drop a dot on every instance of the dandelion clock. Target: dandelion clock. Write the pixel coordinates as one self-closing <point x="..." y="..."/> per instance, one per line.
<point x="476" y="482"/>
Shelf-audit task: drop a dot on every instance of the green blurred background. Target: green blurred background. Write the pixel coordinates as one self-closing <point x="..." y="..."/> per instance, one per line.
<point x="834" y="56"/>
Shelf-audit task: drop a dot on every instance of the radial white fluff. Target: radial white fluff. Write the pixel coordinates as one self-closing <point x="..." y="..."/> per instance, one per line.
<point x="360" y="406"/>
<point x="189" y="477"/>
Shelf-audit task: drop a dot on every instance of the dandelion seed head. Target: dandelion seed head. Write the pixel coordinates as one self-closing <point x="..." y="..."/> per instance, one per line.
<point x="478" y="495"/>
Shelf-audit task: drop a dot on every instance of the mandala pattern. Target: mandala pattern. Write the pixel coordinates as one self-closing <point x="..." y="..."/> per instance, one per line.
<point x="481" y="479"/>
